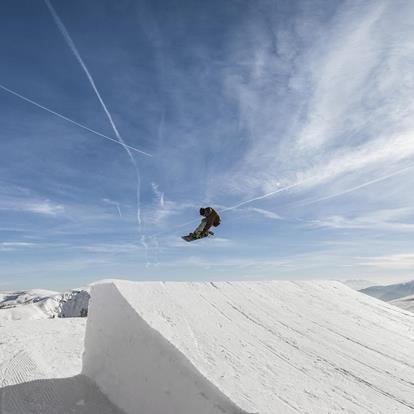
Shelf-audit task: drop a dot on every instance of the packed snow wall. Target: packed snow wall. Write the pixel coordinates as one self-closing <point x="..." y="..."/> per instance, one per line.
<point x="137" y="368"/>
<point x="248" y="347"/>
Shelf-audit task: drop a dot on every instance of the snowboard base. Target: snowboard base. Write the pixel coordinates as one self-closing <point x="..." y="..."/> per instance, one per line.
<point x="190" y="238"/>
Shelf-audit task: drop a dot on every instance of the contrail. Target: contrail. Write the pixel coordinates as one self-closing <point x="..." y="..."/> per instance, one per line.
<point x="74" y="50"/>
<point x="279" y="190"/>
<point x="320" y="199"/>
<point x="385" y="177"/>
<point x="243" y="203"/>
<point x="68" y="119"/>
<point x="349" y="190"/>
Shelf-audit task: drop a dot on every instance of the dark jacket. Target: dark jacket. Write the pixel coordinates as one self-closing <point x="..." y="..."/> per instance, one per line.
<point x="213" y="219"/>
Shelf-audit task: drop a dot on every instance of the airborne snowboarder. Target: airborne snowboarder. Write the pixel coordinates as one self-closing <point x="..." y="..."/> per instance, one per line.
<point x="211" y="218"/>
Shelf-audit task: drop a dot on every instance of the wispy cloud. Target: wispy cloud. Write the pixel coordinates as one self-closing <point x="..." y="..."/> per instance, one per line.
<point x="393" y="262"/>
<point x="113" y="203"/>
<point x="340" y="69"/>
<point x="158" y="194"/>
<point x="11" y="246"/>
<point x="376" y="153"/>
<point x="45" y="207"/>
<point x="110" y="248"/>
<point x="223" y="263"/>
<point x="162" y="209"/>
<point x="389" y="220"/>
<point x="353" y="112"/>
<point x="357" y="187"/>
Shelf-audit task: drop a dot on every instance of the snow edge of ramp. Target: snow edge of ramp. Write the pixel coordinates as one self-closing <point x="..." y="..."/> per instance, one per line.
<point x="137" y="368"/>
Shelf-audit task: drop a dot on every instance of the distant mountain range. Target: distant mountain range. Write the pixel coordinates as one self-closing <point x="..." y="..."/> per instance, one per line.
<point x="400" y="294"/>
<point x="390" y="292"/>
<point x="43" y="304"/>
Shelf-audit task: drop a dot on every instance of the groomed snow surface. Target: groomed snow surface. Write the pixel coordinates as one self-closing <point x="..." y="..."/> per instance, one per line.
<point x="40" y="365"/>
<point x="253" y="347"/>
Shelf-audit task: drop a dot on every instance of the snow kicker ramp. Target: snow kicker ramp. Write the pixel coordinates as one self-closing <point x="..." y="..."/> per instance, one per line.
<point x="249" y="347"/>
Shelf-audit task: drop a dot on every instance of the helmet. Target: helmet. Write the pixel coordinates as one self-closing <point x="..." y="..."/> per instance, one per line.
<point x="202" y="211"/>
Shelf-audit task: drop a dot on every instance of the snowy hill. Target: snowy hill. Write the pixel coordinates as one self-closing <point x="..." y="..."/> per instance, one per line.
<point x="390" y="292"/>
<point x="262" y="347"/>
<point x="406" y="303"/>
<point x="358" y="284"/>
<point x="43" y="304"/>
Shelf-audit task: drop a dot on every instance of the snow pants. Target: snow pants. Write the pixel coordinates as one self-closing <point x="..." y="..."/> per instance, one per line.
<point x="201" y="226"/>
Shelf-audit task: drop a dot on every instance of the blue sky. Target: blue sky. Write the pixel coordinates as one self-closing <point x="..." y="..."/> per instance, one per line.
<point x="293" y="118"/>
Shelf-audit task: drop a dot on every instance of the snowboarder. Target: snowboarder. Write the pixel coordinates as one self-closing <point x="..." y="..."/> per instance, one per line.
<point x="211" y="218"/>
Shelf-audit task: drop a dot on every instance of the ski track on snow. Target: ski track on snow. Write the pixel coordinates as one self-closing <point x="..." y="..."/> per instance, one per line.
<point x="35" y="358"/>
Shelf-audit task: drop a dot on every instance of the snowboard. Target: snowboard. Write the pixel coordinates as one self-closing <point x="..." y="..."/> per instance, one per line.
<point x="189" y="238"/>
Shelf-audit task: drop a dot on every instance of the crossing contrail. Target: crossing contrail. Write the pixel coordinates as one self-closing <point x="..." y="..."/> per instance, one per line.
<point x="73" y="48"/>
<point x="68" y="119"/>
<point x="349" y="190"/>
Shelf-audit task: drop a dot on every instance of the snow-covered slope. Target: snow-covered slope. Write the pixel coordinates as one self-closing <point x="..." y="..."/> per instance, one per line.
<point x="358" y="284"/>
<point x="406" y="303"/>
<point x="43" y="304"/>
<point x="40" y="365"/>
<point x="262" y="347"/>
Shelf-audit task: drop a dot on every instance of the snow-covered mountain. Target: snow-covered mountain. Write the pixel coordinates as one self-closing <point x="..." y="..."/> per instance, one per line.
<point x="74" y="303"/>
<point x="390" y="292"/>
<point x="406" y="303"/>
<point x="397" y="294"/>
<point x="43" y="304"/>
